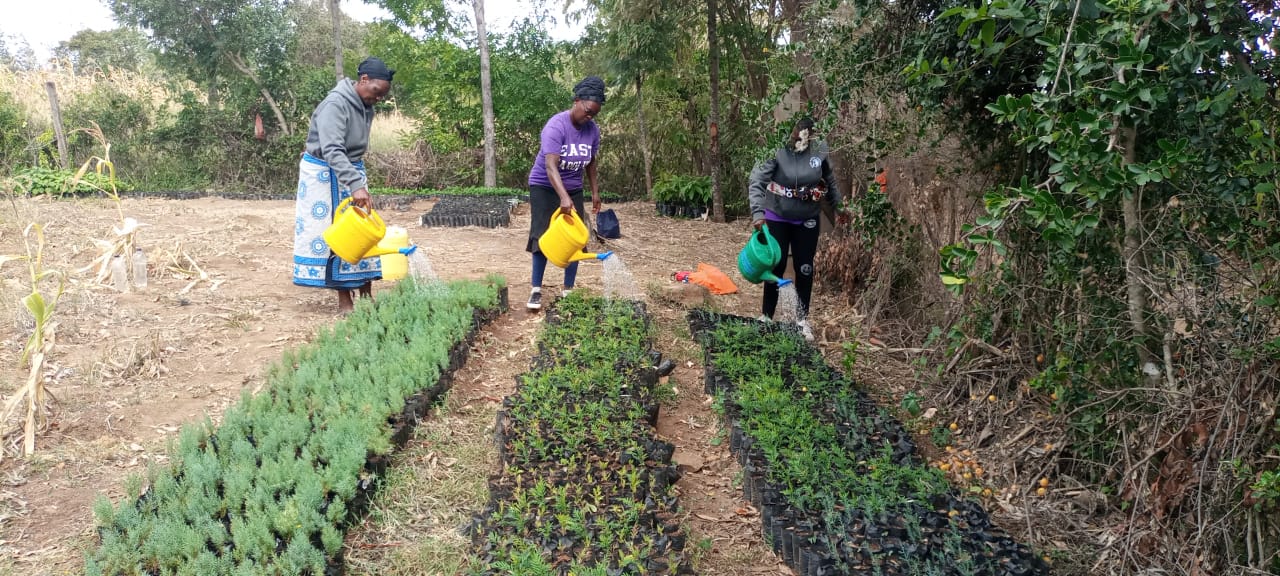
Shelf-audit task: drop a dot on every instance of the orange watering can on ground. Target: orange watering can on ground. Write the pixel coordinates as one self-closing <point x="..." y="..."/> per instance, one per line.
<point x="565" y="239"/>
<point x="356" y="234"/>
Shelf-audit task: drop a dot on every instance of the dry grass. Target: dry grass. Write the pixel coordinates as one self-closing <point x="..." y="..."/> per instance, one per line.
<point x="415" y="526"/>
<point x="389" y="131"/>
<point x="28" y="88"/>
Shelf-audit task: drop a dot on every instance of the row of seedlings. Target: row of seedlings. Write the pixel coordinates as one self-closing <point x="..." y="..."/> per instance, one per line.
<point x="273" y="488"/>
<point x="835" y="477"/>
<point x="585" y="487"/>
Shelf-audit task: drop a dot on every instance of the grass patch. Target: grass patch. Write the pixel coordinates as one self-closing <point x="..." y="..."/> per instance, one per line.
<point x="415" y="521"/>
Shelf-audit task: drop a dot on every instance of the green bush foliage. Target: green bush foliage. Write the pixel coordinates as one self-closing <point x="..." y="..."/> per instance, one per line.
<point x="683" y="190"/>
<point x="268" y="491"/>
<point x="37" y="181"/>
<point x="13" y="139"/>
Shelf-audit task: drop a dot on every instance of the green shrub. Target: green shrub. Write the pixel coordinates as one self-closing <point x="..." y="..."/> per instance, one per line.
<point x="37" y="181"/>
<point x="683" y="190"/>
<point x="13" y="136"/>
<point x="125" y="121"/>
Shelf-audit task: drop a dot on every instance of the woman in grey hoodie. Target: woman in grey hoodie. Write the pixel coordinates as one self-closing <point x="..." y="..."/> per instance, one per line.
<point x="786" y="192"/>
<point x="332" y="170"/>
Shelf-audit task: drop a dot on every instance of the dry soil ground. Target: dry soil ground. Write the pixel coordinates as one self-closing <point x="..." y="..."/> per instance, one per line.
<point x="129" y="369"/>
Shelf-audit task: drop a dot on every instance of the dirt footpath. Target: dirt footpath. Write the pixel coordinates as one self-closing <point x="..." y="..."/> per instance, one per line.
<point x="129" y="369"/>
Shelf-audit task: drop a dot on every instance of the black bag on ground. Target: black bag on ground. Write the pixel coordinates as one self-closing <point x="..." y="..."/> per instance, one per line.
<point x="607" y="224"/>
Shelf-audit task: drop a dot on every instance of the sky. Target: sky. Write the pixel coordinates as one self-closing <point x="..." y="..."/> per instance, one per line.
<point x="45" y="23"/>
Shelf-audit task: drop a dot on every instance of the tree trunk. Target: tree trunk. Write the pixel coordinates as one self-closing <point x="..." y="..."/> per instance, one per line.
<point x="335" y="15"/>
<point x="240" y="65"/>
<point x="645" y="153"/>
<point x="713" y="49"/>
<point x="486" y="99"/>
<point x="1132" y="252"/>
<point x="213" y="92"/>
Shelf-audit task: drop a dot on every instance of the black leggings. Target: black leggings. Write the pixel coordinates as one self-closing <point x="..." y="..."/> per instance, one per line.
<point x="801" y="240"/>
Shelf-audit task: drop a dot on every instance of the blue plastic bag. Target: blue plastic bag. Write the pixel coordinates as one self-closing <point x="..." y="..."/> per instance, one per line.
<point x="607" y="225"/>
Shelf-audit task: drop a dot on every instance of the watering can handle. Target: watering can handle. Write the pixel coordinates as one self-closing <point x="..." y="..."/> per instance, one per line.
<point x="762" y="233"/>
<point x="368" y="215"/>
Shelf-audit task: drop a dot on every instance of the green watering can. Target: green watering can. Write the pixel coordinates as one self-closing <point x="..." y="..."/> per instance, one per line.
<point x="759" y="256"/>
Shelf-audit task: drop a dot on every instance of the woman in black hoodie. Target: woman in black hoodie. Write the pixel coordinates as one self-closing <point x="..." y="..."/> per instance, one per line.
<point x="786" y="192"/>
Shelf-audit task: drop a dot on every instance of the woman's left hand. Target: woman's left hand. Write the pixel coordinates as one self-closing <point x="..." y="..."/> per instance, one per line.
<point x="595" y="205"/>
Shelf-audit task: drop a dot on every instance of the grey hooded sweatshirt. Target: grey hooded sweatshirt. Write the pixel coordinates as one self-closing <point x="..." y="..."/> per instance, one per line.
<point x="791" y="184"/>
<point x="339" y="133"/>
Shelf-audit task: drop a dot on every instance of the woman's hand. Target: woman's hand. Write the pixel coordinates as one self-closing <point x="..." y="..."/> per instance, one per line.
<point x="362" y="199"/>
<point x="757" y="224"/>
<point x="566" y="204"/>
<point x="595" y="205"/>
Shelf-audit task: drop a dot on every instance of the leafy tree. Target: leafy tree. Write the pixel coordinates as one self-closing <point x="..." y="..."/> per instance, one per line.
<point x="437" y="81"/>
<point x="639" y="39"/>
<point x="207" y="39"/>
<point x="87" y="50"/>
<point x="315" y="46"/>
<point x="17" y="56"/>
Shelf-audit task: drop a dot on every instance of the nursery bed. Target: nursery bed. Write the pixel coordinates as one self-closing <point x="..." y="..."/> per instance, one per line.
<point x="486" y="211"/>
<point x="836" y="479"/>
<point x="275" y="486"/>
<point x="586" y="488"/>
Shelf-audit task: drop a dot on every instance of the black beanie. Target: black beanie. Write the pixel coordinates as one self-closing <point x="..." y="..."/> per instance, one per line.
<point x="375" y="69"/>
<point x="590" y="88"/>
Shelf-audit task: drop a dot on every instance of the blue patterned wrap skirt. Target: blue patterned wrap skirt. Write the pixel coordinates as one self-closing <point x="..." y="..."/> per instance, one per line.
<point x="314" y="264"/>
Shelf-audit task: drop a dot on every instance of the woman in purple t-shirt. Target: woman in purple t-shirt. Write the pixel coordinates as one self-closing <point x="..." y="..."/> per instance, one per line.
<point x="570" y="145"/>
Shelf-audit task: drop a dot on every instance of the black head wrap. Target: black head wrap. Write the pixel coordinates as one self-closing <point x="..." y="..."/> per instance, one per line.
<point x="805" y="123"/>
<point x="590" y="88"/>
<point x="375" y="69"/>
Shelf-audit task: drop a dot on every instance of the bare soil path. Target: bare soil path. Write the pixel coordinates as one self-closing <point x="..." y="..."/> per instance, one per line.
<point x="129" y="369"/>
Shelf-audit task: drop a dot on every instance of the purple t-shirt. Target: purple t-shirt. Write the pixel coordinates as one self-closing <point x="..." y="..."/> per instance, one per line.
<point x="576" y="148"/>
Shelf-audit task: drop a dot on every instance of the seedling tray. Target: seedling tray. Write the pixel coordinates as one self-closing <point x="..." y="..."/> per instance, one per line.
<point x="917" y="526"/>
<point x="585" y="485"/>
<point x="484" y="211"/>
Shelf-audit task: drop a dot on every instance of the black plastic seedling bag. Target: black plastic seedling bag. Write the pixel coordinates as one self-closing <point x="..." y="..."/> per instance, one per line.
<point x="607" y="225"/>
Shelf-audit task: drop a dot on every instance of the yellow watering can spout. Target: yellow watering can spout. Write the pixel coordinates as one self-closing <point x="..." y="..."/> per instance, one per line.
<point x="590" y="255"/>
<point x="379" y="250"/>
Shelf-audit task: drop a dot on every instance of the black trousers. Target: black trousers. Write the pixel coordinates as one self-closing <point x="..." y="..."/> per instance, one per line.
<point x="801" y="241"/>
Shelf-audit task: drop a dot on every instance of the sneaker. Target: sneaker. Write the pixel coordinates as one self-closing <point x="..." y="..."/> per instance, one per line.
<point x="764" y="318"/>
<point x="805" y="330"/>
<point x="535" y="300"/>
<point x="565" y="293"/>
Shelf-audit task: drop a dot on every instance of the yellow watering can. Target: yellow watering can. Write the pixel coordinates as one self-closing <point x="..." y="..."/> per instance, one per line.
<point x="356" y="234"/>
<point x="565" y="239"/>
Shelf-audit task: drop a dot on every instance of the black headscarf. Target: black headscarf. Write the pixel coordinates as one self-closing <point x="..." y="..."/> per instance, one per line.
<point x="375" y="69"/>
<point x="590" y="88"/>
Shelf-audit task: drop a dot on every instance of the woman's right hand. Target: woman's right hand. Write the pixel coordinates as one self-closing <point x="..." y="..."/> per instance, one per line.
<point x="566" y="205"/>
<point x="757" y="224"/>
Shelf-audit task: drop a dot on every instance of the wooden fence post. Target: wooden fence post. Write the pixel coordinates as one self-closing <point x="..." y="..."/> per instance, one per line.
<point x="57" y="123"/>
